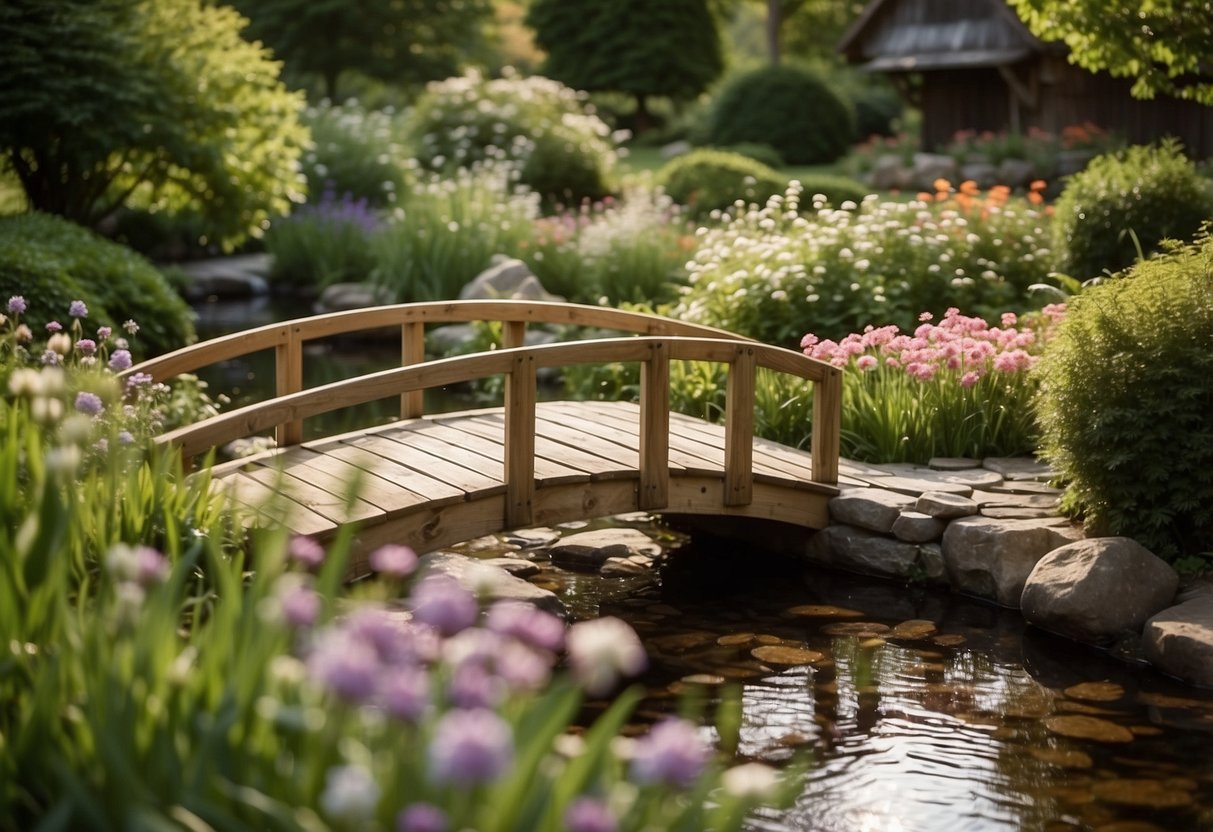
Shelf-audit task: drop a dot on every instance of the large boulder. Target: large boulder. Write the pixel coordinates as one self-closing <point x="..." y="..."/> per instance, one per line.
<point x="1179" y="641"/>
<point x="506" y="279"/>
<point x="861" y="550"/>
<point x="1097" y="590"/>
<point x="992" y="558"/>
<point x="869" y="508"/>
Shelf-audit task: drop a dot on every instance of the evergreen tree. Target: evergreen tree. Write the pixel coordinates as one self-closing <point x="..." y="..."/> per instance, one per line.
<point x="671" y="48"/>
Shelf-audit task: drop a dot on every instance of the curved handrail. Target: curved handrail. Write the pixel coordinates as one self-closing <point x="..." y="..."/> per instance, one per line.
<point x="520" y="364"/>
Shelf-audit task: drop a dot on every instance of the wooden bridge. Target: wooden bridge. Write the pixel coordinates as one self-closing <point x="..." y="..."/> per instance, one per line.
<point x="433" y="480"/>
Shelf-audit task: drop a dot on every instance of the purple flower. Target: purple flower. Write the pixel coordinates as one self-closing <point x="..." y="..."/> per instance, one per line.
<point x="89" y="403"/>
<point x="394" y="640"/>
<point x="125" y="437"/>
<point x="442" y="603"/>
<point x="473" y="686"/>
<point x="305" y="551"/>
<point x="344" y="666"/>
<point x="523" y="667"/>
<point x="300" y="606"/>
<point x="54" y="326"/>
<point x="527" y="623"/>
<point x="77" y="309"/>
<point x="142" y="566"/>
<point x="586" y="814"/>
<point x="86" y="346"/>
<point x="671" y="753"/>
<point x="120" y="360"/>
<point x="50" y="358"/>
<point x="16" y="305"/>
<point x="104" y="332"/>
<point x="421" y="817"/>
<point x="404" y="692"/>
<point x="394" y="560"/>
<point x="470" y="747"/>
<point x="138" y="380"/>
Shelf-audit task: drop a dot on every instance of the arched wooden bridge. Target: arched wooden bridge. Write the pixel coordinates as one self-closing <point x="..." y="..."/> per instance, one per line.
<point x="433" y="480"/>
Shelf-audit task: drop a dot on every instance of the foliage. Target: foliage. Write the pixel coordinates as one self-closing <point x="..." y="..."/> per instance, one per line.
<point x="1124" y="204"/>
<point x="789" y="108"/>
<point x="1124" y="407"/>
<point x="448" y="230"/>
<point x="770" y="271"/>
<point x="405" y="42"/>
<point x="1163" y="45"/>
<point x="323" y="243"/>
<point x="1040" y="147"/>
<point x="959" y="388"/>
<point x="616" y="251"/>
<point x="52" y="262"/>
<point x="707" y="180"/>
<point x="645" y="49"/>
<point x="564" y="152"/>
<point x="356" y="152"/>
<point x="757" y="151"/>
<point x="156" y="104"/>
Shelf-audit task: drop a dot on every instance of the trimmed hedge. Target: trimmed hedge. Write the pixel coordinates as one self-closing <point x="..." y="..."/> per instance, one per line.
<point x="707" y="180"/>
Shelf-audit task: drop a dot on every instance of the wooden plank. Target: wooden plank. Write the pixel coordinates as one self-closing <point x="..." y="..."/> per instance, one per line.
<point x="487" y="470"/>
<point x="581" y="415"/>
<point x="374" y="489"/>
<point x="334" y="505"/>
<point x="827" y="428"/>
<point x="412" y="351"/>
<point x="401" y="476"/>
<point x="592" y="465"/>
<point x="273" y="505"/>
<point x="695" y="457"/>
<point x="434" y="467"/>
<point x="546" y="471"/>
<point x="739" y="429"/>
<point x="288" y="379"/>
<point x="520" y="398"/>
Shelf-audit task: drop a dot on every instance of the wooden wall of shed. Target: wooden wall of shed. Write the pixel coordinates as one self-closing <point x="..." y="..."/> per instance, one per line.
<point x="970" y="99"/>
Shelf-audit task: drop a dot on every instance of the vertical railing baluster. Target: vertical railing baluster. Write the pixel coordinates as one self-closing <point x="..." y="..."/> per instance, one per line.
<point x="520" y="396"/>
<point x="827" y="427"/>
<point x="412" y="351"/>
<point x="739" y="429"/>
<point x="513" y="334"/>
<point x="288" y="378"/>
<point x="655" y="429"/>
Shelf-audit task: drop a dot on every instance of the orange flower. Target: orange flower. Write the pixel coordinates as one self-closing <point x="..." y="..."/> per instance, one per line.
<point x="1035" y="198"/>
<point x="968" y="188"/>
<point x="942" y="185"/>
<point x="923" y="196"/>
<point x="1038" y="185"/>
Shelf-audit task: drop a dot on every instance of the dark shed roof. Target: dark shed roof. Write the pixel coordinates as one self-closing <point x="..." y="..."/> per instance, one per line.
<point x="892" y="36"/>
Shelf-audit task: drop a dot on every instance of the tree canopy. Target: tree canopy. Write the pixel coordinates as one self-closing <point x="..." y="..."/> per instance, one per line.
<point x="154" y="103"/>
<point x="1166" y="46"/>
<point x="403" y="42"/>
<point x="639" y="47"/>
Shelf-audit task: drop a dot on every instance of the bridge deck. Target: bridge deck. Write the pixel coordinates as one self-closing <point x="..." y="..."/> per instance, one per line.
<point x="437" y="480"/>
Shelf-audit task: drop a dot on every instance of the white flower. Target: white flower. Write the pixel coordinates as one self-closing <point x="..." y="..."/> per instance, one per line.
<point x="753" y="781"/>
<point x="350" y="793"/>
<point x="601" y="650"/>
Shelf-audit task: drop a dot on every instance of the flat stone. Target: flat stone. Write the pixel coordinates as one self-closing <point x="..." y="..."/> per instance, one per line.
<point x="634" y="541"/>
<point x="1007" y="499"/>
<point x="862" y="550"/>
<point x="517" y="567"/>
<point x="977" y="477"/>
<point x="532" y="538"/>
<point x="945" y="506"/>
<point x="476" y="574"/>
<point x="953" y="463"/>
<point x="1010" y="513"/>
<point x="577" y="558"/>
<point x="622" y="568"/>
<point x="340" y="297"/>
<point x="1024" y="487"/>
<point x="868" y="508"/>
<point x="1097" y="590"/>
<point x="1018" y="467"/>
<point x="487" y="543"/>
<point x="1179" y="641"/>
<point x="930" y="563"/>
<point x="992" y="558"/>
<point x="916" y="527"/>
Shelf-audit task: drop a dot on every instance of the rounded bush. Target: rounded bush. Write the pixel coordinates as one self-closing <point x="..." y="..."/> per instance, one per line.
<point x="835" y="189"/>
<point x="563" y="150"/>
<point x="707" y="180"/>
<point x="356" y="153"/>
<point x="1139" y="196"/>
<point x="1127" y="386"/>
<point x="789" y="108"/>
<point x="764" y="153"/>
<point x="52" y="262"/>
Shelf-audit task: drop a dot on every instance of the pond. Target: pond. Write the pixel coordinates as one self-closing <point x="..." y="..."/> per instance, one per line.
<point x="921" y="711"/>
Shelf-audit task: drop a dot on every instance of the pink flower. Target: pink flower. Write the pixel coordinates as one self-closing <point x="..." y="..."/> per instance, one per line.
<point x="1009" y="319"/>
<point x="866" y="362"/>
<point x="969" y="379"/>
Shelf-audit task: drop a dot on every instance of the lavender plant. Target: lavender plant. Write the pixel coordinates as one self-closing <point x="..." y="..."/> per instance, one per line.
<point x="324" y="242"/>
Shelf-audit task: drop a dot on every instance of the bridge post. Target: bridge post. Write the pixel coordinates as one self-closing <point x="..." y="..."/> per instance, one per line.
<point x="520" y="396"/>
<point x="655" y="429"/>
<point x="288" y="378"/>
<point x="739" y="429"/>
<point x="412" y="351"/>
<point x="827" y="427"/>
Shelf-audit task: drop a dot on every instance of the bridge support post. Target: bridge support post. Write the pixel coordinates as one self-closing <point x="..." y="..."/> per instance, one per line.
<point x="412" y="351"/>
<point x="520" y="396"/>
<point x="739" y="429"/>
<point x="655" y="429"/>
<point x="288" y="378"/>
<point x="827" y="427"/>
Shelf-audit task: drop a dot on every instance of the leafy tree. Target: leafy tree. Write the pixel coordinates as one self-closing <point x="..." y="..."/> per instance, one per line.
<point x="401" y="42"/>
<point x="639" y="47"/>
<point x="153" y="103"/>
<point x="1163" y="44"/>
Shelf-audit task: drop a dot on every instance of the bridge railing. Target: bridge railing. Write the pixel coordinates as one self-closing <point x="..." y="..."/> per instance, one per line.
<point x="662" y="341"/>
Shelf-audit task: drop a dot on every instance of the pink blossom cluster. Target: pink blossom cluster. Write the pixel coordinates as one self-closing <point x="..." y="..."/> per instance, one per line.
<point x="966" y="347"/>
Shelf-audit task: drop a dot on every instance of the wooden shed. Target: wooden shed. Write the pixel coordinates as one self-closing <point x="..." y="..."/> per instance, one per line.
<point x="974" y="65"/>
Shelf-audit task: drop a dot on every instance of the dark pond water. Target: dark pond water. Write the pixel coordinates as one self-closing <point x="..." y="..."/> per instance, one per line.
<point x="921" y="711"/>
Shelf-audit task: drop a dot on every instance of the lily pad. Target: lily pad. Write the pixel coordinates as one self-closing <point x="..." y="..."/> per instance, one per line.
<point x="736" y="640"/>
<point x="916" y="629"/>
<point x="1088" y="728"/>
<point x="1062" y="758"/>
<point x="788" y="656"/>
<point x="1153" y="794"/>
<point x="823" y="611"/>
<point x="1096" y="691"/>
<point x="861" y="629"/>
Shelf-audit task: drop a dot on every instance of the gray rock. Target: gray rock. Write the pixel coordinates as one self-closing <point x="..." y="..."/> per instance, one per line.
<point x="342" y="296"/>
<point x="868" y="508"/>
<point x="669" y="151"/>
<point x="634" y="541"/>
<point x="1018" y="467"/>
<point x="975" y="477"/>
<point x="931" y="166"/>
<point x="237" y="276"/>
<point x="1025" y="487"/>
<point x="475" y="574"/>
<point x="1009" y="499"/>
<point x="578" y="558"/>
<point x="518" y="567"/>
<point x="983" y="173"/>
<point x="509" y="279"/>
<point x="887" y="173"/>
<point x="861" y="550"/>
<point x="953" y="463"/>
<point x="532" y="538"/>
<point x="916" y="527"/>
<point x="992" y="558"/>
<point x="930" y="563"/>
<point x="1097" y="590"/>
<point x="1179" y="641"/>
<point x="1016" y="172"/>
<point x="623" y="568"/>
<point x="1014" y="513"/>
<point x="914" y="486"/>
<point x="945" y="506"/>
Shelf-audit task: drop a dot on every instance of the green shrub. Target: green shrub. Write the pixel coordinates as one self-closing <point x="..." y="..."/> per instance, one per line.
<point x="563" y="150"/>
<point x="835" y="189"/>
<point x="757" y="151"/>
<point x="710" y="180"/>
<point x="356" y="152"/>
<point x="51" y="262"/>
<point x="1127" y="386"/>
<point x="789" y="108"/>
<point x="323" y="243"/>
<point x="1137" y="197"/>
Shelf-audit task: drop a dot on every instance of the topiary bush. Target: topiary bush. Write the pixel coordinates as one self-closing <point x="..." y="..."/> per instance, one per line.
<point x="1137" y="197"/>
<point x="562" y="149"/>
<point x="789" y="108"/>
<point x="52" y="262"/>
<point x="708" y="180"/>
<point x="1127" y="387"/>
